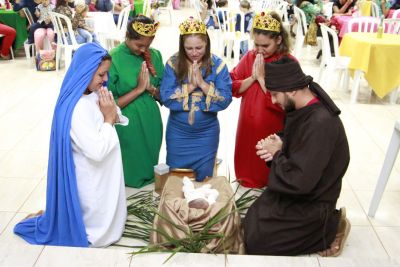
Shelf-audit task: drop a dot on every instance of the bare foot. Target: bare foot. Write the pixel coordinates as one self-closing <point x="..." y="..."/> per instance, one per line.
<point x="40" y="212"/>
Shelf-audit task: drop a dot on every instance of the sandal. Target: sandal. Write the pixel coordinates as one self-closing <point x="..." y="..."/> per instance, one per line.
<point x="343" y="231"/>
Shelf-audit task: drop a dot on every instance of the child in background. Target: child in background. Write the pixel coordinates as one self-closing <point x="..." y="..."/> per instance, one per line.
<point x="42" y="12"/>
<point x="207" y="14"/>
<point x="79" y="24"/>
<point x="248" y="21"/>
<point x="154" y="11"/>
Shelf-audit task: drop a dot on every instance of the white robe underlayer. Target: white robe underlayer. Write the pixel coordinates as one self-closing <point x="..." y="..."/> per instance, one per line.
<point x="99" y="173"/>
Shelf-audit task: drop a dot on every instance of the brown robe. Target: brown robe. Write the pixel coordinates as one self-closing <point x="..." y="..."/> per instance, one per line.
<point x="296" y="214"/>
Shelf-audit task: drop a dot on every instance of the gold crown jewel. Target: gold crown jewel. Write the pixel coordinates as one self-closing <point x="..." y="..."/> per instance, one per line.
<point x="145" y="29"/>
<point x="191" y="26"/>
<point x="266" y="22"/>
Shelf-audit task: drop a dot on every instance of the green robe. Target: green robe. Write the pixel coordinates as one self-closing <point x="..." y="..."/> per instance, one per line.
<point x="141" y="140"/>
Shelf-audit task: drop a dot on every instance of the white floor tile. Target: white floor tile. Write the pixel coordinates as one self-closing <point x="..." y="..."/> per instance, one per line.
<point x="24" y="164"/>
<point x="5" y="218"/>
<point x="389" y="237"/>
<point x="354" y="210"/>
<point x="356" y="262"/>
<point x="388" y="210"/>
<point x="36" y="200"/>
<point x="18" y="255"/>
<point x="362" y="242"/>
<point x="14" y="192"/>
<point x="68" y="256"/>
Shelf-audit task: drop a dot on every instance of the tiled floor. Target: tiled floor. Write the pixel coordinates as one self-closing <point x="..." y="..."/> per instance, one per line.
<point x="27" y="98"/>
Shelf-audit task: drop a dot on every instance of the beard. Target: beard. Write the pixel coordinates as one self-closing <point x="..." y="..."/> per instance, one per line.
<point x="289" y="105"/>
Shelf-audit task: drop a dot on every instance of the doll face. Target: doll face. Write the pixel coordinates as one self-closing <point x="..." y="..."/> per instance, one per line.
<point x="266" y="45"/>
<point x="140" y="45"/>
<point x="100" y="76"/>
<point x="45" y="2"/>
<point x="195" y="48"/>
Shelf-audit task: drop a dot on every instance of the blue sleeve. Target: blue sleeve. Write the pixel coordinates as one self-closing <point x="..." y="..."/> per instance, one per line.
<point x="220" y="94"/>
<point x="173" y="95"/>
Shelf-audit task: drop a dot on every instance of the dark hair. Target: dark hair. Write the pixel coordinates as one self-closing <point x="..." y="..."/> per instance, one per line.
<point x="61" y="3"/>
<point x="130" y="32"/>
<point x="182" y="68"/>
<point x="222" y="3"/>
<point x="106" y="57"/>
<point x="284" y="46"/>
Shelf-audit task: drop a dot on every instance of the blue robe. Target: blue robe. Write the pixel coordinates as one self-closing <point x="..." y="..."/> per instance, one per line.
<point x="62" y="222"/>
<point x="193" y="129"/>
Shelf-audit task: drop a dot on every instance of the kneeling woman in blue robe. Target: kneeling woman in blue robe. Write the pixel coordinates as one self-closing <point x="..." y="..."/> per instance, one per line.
<point x="196" y="85"/>
<point x="85" y="201"/>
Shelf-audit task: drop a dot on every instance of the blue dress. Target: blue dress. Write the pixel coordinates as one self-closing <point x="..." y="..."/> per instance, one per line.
<point x="193" y="129"/>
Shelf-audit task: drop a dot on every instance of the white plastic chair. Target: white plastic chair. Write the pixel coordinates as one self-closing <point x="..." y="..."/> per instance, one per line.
<point x="228" y="34"/>
<point x="168" y="8"/>
<point x="387" y="167"/>
<point x="65" y="38"/>
<point x="391" y="26"/>
<point x="301" y="31"/>
<point x="329" y="62"/>
<point x="11" y="49"/>
<point x="120" y="32"/>
<point x="365" y="24"/>
<point x="374" y="10"/>
<point x="396" y="14"/>
<point x="327" y="9"/>
<point x="29" y="47"/>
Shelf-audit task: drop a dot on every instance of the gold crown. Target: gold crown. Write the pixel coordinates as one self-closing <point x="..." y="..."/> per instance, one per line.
<point x="266" y="22"/>
<point x="145" y="29"/>
<point x="192" y="25"/>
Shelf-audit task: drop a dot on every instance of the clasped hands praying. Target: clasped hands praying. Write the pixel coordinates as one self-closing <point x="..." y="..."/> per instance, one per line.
<point x="144" y="81"/>
<point x="267" y="147"/>
<point x="258" y="71"/>
<point x="196" y="79"/>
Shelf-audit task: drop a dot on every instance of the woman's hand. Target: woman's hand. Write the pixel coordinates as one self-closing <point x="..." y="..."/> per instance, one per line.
<point x="198" y="78"/>
<point x="107" y="106"/>
<point x="259" y="71"/>
<point x="143" y="79"/>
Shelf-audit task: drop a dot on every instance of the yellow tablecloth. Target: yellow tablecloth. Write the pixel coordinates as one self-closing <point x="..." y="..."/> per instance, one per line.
<point x="379" y="59"/>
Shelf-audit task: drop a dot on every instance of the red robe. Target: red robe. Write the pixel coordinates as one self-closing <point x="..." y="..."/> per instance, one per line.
<point x="258" y="118"/>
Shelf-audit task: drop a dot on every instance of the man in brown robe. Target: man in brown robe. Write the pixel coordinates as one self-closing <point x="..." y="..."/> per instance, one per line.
<point x="297" y="212"/>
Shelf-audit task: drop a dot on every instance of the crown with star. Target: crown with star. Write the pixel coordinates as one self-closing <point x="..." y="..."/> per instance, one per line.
<point x="191" y="26"/>
<point x="266" y="22"/>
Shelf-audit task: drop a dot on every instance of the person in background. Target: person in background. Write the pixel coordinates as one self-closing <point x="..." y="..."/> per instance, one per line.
<point x="85" y="201"/>
<point x="79" y="24"/>
<point x="135" y="76"/>
<point x="258" y="116"/>
<point x="119" y="5"/>
<point x="6" y="41"/>
<point x="343" y="7"/>
<point x="104" y="5"/>
<point x="65" y="7"/>
<point x="46" y="27"/>
<point x="31" y="5"/>
<point x="195" y="87"/>
<point x="245" y="7"/>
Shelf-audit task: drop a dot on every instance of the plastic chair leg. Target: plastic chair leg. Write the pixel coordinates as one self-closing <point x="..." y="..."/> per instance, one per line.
<point x="387" y="167"/>
<point x="356" y="86"/>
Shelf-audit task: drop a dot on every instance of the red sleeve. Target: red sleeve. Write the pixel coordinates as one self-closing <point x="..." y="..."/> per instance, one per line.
<point x="241" y="72"/>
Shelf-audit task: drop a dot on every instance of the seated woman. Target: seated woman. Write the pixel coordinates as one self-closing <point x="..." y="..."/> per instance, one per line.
<point x="196" y="85"/>
<point x="6" y="41"/>
<point x="85" y="203"/>
<point x="343" y="7"/>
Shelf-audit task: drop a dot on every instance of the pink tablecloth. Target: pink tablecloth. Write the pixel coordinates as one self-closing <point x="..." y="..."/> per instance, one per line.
<point x="390" y="14"/>
<point x="344" y="21"/>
